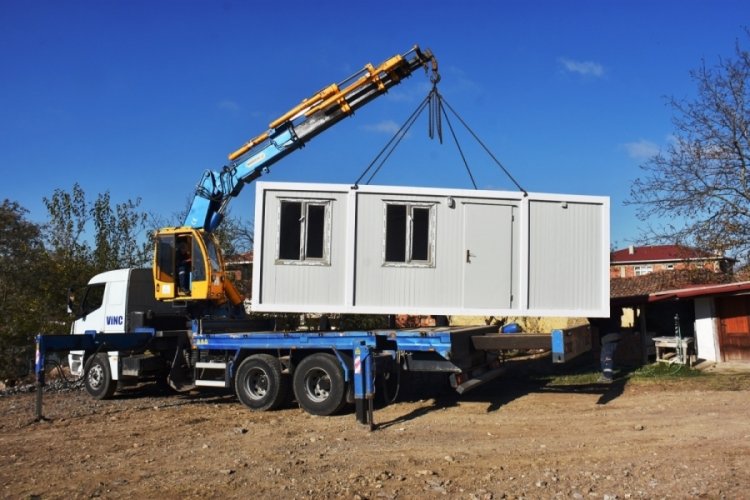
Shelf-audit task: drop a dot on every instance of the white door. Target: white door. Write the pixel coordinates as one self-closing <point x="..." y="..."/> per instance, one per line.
<point x="488" y="256"/>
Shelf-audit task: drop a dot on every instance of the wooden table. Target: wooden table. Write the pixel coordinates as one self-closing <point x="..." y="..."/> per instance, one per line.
<point x="668" y="350"/>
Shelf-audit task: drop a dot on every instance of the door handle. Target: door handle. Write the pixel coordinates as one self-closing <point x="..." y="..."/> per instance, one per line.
<point x="468" y="256"/>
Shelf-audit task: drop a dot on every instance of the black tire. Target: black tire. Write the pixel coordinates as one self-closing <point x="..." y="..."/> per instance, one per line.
<point x="319" y="384"/>
<point x="98" y="377"/>
<point x="259" y="383"/>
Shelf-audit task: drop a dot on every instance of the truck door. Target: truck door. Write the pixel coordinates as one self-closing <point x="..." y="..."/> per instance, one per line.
<point x="165" y="270"/>
<point x="103" y="308"/>
<point x="114" y="307"/>
<point x="91" y="313"/>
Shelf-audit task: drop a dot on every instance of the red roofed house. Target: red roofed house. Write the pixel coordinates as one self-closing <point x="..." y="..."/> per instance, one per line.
<point x="639" y="261"/>
<point x="698" y="293"/>
<point x="240" y="270"/>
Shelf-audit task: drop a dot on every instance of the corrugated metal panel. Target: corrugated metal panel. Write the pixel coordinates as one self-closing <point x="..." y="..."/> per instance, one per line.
<point x="565" y="258"/>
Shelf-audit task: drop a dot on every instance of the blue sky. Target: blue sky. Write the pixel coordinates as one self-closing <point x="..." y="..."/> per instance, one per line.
<point x="139" y="97"/>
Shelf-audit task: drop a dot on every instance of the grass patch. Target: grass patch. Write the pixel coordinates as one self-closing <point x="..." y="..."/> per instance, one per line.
<point x="579" y="378"/>
<point x="665" y="371"/>
<point x="656" y="375"/>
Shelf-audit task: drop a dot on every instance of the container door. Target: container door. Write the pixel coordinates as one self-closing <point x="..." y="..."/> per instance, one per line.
<point x="488" y="256"/>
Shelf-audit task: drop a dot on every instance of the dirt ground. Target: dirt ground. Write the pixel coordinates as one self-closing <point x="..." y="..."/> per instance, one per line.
<point x="512" y="438"/>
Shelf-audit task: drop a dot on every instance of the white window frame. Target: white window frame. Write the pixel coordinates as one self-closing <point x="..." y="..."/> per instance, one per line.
<point x="431" y="234"/>
<point x="304" y="260"/>
<point x="643" y="270"/>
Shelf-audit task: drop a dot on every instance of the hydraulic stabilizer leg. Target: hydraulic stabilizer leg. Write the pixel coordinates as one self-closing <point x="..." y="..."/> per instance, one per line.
<point x="39" y="368"/>
<point x="364" y="387"/>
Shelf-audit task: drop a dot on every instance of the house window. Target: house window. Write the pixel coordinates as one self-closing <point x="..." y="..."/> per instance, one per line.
<point x="643" y="270"/>
<point x="409" y="234"/>
<point x="304" y="232"/>
<point x="670" y="267"/>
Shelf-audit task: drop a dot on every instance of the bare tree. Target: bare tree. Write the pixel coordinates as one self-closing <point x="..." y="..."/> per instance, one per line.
<point x="699" y="185"/>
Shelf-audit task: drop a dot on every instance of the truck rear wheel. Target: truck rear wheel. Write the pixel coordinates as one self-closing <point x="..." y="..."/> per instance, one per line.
<point x="319" y="384"/>
<point x="98" y="377"/>
<point x="259" y="383"/>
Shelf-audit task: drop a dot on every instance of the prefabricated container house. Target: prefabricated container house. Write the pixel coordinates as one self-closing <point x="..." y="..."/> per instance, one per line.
<point x="327" y="248"/>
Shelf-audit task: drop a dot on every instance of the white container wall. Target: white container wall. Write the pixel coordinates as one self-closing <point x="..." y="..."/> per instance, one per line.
<point x="328" y="248"/>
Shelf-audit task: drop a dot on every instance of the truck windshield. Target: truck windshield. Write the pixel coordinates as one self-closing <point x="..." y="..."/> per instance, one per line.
<point x="213" y="252"/>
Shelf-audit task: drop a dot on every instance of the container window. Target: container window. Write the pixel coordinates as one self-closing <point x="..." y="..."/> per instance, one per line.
<point x="409" y="234"/>
<point x="304" y="232"/>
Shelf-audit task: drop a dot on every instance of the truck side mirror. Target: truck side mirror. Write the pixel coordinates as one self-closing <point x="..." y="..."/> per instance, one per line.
<point x="71" y="300"/>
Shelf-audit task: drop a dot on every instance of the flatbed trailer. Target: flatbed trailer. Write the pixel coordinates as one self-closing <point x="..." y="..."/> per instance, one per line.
<point x="325" y="370"/>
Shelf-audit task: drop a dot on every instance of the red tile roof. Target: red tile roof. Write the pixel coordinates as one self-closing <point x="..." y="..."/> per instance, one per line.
<point x="640" y="286"/>
<point x="701" y="291"/>
<point x="659" y="253"/>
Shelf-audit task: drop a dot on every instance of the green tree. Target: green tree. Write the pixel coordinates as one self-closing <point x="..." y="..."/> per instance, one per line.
<point x="22" y="305"/>
<point x="65" y="229"/>
<point x="700" y="185"/>
<point x="119" y="234"/>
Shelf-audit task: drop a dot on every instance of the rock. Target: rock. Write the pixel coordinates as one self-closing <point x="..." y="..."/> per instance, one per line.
<point x="426" y="472"/>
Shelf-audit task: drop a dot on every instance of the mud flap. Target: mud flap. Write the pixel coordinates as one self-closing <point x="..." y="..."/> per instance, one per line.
<point x="180" y="378"/>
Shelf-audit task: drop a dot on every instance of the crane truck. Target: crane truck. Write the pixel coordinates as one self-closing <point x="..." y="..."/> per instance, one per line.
<point x="139" y="324"/>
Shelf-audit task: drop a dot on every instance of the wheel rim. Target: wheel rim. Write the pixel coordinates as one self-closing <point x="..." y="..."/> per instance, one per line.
<point x="257" y="384"/>
<point x="96" y="376"/>
<point x="317" y="385"/>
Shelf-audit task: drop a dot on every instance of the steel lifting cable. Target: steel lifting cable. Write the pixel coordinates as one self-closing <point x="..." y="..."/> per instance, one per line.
<point x="458" y="146"/>
<point x="505" y="170"/>
<point x="435" y="122"/>
<point x="398" y="135"/>
<point x="435" y="101"/>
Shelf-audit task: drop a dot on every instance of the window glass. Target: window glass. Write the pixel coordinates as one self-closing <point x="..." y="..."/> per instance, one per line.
<point x="93" y="299"/>
<point x="395" y="233"/>
<point x="289" y="230"/>
<point x="420" y="235"/>
<point x="165" y="257"/>
<point x="199" y="266"/>
<point x="316" y="224"/>
<point x="213" y="252"/>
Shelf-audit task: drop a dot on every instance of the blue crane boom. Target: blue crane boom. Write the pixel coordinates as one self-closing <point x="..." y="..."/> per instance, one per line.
<point x="289" y="132"/>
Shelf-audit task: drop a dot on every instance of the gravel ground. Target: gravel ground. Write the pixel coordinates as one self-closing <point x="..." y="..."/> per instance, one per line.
<point x="513" y="438"/>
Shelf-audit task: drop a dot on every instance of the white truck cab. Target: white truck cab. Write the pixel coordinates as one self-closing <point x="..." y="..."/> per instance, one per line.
<point x="119" y="301"/>
<point x="102" y="310"/>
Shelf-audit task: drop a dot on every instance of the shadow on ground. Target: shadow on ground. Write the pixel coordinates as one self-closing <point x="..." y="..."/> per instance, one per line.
<point x="521" y="378"/>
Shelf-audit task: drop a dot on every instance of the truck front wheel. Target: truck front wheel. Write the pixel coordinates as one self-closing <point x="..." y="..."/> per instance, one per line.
<point x="319" y="384"/>
<point x="98" y="377"/>
<point x="259" y="383"/>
